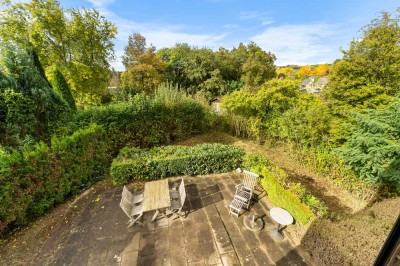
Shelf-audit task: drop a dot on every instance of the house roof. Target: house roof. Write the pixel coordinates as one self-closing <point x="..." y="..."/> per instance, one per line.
<point x="322" y="81"/>
<point x="305" y="82"/>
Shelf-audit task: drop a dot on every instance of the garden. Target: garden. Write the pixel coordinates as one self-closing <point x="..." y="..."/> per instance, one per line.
<point x="331" y="160"/>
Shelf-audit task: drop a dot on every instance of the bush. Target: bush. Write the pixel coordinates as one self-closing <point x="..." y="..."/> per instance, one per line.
<point x="174" y="160"/>
<point x="143" y="122"/>
<point x="282" y="192"/>
<point x="36" y="179"/>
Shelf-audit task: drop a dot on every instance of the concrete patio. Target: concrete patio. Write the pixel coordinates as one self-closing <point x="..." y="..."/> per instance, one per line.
<point x="207" y="236"/>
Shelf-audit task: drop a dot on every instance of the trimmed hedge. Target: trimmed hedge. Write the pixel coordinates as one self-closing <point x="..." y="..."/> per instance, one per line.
<point x="282" y="192"/>
<point x="133" y="163"/>
<point x="36" y="179"/>
<point x="143" y="122"/>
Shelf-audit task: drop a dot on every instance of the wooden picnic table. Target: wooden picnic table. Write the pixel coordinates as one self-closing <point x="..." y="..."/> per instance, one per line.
<point x="156" y="197"/>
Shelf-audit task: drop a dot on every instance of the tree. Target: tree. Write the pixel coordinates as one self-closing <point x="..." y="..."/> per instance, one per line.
<point x="60" y="86"/>
<point x="368" y="76"/>
<point x="176" y="60"/>
<point x="320" y="70"/>
<point x="144" y="68"/>
<point x="136" y="47"/>
<point x="304" y="71"/>
<point x="78" y="41"/>
<point x="373" y="150"/>
<point x="287" y="71"/>
<point x="259" y="66"/>
<point x="27" y="102"/>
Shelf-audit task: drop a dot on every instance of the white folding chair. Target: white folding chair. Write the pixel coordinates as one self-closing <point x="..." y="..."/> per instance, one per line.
<point x="244" y="191"/>
<point x="178" y="199"/>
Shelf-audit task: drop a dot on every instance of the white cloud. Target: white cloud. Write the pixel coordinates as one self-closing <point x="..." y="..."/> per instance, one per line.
<point x="246" y="15"/>
<point x="231" y="26"/>
<point x="101" y="3"/>
<point x="300" y="44"/>
<point x="165" y="35"/>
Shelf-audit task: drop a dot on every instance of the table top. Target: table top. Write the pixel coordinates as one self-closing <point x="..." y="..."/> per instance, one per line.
<point x="156" y="195"/>
<point x="281" y="216"/>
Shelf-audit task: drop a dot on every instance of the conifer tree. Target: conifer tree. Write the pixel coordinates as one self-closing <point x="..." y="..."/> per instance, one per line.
<point x="61" y="87"/>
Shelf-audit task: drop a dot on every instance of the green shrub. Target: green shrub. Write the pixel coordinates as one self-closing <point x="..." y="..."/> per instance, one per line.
<point x="143" y="122"/>
<point x="174" y="160"/>
<point x="282" y="192"/>
<point x="283" y="198"/>
<point x="36" y="179"/>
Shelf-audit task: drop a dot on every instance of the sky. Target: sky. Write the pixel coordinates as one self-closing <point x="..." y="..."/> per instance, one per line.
<point x="297" y="31"/>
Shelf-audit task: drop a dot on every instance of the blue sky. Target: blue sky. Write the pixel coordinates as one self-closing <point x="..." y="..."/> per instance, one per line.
<point x="297" y="32"/>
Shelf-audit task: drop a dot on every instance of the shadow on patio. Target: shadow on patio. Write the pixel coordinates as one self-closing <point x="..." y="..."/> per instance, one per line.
<point x="97" y="233"/>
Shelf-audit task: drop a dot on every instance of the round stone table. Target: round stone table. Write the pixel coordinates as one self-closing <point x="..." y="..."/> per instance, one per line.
<point x="281" y="217"/>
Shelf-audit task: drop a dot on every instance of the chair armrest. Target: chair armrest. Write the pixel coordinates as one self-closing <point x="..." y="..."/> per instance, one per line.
<point x="238" y="187"/>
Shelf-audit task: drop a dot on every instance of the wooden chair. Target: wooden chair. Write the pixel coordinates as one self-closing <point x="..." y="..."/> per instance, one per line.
<point x="134" y="212"/>
<point x="178" y="200"/>
<point x="244" y="191"/>
<point x="235" y="206"/>
<point x="126" y="194"/>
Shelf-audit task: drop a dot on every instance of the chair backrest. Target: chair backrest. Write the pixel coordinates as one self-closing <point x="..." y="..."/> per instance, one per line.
<point x="126" y="206"/>
<point x="249" y="180"/>
<point x="182" y="192"/>
<point x="126" y="194"/>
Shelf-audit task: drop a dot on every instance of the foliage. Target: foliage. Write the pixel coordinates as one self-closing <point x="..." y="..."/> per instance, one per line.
<point x="263" y="107"/>
<point x="368" y="75"/>
<point x="320" y="70"/>
<point x="373" y="150"/>
<point x="326" y="162"/>
<point x="287" y="71"/>
<point x="284" y="193"/>
<point x="143" y="121"/>
<point x="27" y="102"/>
<point x="36" y="179"/>
<point x="259" y="66"/>
<point x="78" y="41"/>
<point x="159" y="162"/>
<point x="308" y="122"/>
<point x="144" y="69"/>
<point x="202" y="71"/>
<point x="60" y="86"/>
<point x="304" y="71"/>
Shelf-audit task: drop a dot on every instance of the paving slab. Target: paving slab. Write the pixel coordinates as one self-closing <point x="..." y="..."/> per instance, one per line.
<point x="97" y="233"/>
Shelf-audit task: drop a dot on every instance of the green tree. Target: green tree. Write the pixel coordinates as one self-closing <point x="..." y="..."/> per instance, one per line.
<point x="60" y="86"/>
<point x="176" y="59"/>
<point x="368" y="76"/>
<point x="144" y="68"/>
<point x="78" y="41"/>
<point x="136" y="47"/>
<point x="27" y="102"/>
<point x="373" y="150"/>
<point x="259" y="66"/>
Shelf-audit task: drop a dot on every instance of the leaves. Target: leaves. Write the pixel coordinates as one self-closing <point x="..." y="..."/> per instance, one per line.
<point x="174" y="160"/>
<point x="79" y="42"/>
<point x="373" y="150"/>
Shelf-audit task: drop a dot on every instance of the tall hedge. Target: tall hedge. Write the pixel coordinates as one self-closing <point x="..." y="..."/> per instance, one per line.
<point x="36" y="179"/>
<point x="143" y="122"/>
<point x="133" y="163"/>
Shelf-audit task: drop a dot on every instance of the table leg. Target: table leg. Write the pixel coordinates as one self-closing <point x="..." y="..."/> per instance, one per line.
<point x="164" y="213"/>
<point x="275" y="234"/>
<point x="155" y="216"/>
